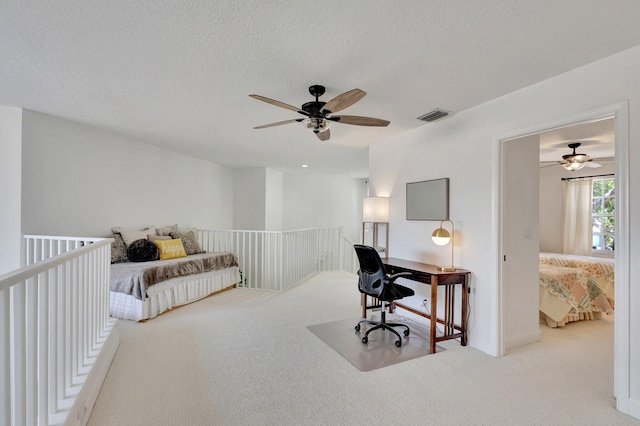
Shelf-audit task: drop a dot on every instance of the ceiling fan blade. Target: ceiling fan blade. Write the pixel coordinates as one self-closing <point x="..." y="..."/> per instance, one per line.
<point x="604" y="159"/>
<point x="279" y="123"/>
<point x="279" y="104"/>
<point x="545" y="164"/>
<point x="324" y="136"/>
<point x="592" y="165"/>
<point x="343" y="101"/>
<point x="359" y="121"/>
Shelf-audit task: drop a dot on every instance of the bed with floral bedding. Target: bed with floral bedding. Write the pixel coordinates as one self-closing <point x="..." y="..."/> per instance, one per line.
<point x="574" y="288"/>
<point x="157" y="269"/>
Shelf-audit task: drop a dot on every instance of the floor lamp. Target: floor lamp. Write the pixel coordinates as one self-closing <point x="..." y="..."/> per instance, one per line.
<point x="375" y="217"/>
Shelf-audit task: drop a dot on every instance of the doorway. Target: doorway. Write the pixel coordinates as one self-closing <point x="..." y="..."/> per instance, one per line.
<point x="506" y="213"/>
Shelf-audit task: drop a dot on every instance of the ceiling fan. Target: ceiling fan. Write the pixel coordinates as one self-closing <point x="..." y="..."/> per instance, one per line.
<point x="574" y="161"/>
<point x="318" y="114"/>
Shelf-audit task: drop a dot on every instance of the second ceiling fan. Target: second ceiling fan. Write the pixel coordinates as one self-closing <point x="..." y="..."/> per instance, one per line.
<point x="319" y="114"/>
<point x="575" y="161"/>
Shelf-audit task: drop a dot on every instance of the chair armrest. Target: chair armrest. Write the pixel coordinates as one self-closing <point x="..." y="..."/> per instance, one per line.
<point x="393" y="277"/>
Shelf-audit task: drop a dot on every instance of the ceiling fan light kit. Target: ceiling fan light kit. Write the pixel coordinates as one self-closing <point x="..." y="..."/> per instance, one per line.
<point x="316" y="125"/>
<point x="573" y="166"/>
<point x="319" y="114"/>
<point x="576" y="161"/>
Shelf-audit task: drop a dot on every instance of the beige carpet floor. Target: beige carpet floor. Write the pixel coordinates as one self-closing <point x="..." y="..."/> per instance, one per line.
<point x="246" y="357"/>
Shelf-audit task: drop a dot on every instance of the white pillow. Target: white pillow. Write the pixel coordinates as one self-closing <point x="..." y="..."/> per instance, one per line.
<point x="131" y="235"/>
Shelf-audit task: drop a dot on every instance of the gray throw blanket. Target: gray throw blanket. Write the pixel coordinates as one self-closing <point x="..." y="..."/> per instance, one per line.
<point x="135" y="277"/>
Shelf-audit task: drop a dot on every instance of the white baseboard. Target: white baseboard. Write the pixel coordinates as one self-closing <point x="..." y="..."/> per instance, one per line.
<point x="523" y="339"/>
<point x="79" y="413"/>
<point x="634" y="408"/>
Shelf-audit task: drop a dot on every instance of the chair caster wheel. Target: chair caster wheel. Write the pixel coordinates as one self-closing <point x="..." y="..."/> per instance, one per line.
<point x="398" y="343"/>
<point x="365" y="340"/>
<point x="406" y="333"/>
<point x="358" y="327"/>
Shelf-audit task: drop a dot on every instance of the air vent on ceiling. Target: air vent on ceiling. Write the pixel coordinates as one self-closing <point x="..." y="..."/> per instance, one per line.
<point x="436" y="114"/>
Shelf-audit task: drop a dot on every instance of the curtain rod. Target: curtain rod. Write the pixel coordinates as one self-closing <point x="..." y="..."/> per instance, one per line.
<point x="588" y="177"/>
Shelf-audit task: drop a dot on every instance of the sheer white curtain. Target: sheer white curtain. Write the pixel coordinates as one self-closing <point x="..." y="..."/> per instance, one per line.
<point x="576" y="217"/>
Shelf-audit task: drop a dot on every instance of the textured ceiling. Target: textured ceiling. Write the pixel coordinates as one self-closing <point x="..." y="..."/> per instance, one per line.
<point x="596" y="139"/>
<point x="178" y="74"/>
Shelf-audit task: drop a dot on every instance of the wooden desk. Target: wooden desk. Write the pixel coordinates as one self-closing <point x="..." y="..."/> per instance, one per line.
<point x="429" y="274"/>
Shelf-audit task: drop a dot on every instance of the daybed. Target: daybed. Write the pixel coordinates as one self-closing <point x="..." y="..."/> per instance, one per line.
<point x="142" y="289"/>
<point x="574" y="288"/>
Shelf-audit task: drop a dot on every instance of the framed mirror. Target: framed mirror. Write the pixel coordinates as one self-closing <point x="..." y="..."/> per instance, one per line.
<point x="428" y="200"/>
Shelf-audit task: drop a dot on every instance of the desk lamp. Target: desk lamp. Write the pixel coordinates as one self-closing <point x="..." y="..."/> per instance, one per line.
<point x="442" y="237"/>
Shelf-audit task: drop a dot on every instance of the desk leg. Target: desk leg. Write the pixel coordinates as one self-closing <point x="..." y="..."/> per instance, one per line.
<point x="433" y="321"/>
<point x="464" y="309"/>
<point x="363" y="304"/>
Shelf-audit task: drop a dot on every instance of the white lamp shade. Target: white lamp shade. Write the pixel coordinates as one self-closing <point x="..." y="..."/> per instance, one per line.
<point x="441" y="236"/>
<point x="375" y="209"/>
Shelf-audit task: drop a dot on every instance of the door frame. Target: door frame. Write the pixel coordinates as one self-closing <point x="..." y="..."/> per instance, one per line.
<point x="619" y="111"/>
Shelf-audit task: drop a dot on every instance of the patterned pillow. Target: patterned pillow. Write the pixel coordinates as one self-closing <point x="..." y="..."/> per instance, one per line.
<point x="142" y="250"/>
<point x="189" y="241"/>
<point x="166" y="230"/>
<point x="118" y="250"/>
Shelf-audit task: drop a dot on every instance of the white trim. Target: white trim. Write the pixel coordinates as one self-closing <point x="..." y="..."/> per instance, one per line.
<point x="622" y="354"/>
<point x="86" y="399"/>
<point x="500" y="349"/>
<point x="622" y="318"/>
<point x="522" y="339"/>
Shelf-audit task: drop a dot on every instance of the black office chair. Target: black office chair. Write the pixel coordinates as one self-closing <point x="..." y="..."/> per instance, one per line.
<point x="374" y="281"/>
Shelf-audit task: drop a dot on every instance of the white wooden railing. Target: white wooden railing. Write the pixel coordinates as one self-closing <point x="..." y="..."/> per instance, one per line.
<point x="349" y="261"/>
<point x="271" y="260"/>
<point x="57" y="341"/>
<point x="41" y="247"/>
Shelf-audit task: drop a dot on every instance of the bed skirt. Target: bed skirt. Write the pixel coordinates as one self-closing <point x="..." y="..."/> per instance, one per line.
<point x="168" y="294"/>
<point x="556" y="312"/>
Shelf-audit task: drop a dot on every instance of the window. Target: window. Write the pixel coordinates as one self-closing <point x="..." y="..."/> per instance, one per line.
<point x="603" y="204"/>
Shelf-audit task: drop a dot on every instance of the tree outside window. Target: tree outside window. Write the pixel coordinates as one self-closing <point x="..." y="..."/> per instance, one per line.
<point x="603" y="210"/>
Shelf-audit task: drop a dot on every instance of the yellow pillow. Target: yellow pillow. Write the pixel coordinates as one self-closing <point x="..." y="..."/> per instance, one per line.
<point x="170" y="249"/>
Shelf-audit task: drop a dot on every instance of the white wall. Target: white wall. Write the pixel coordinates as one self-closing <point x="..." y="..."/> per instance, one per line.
<point x="266" y="199"/>
<point x="551" y="202"/>
<point x="10" y="187"/>
<point x="323" y="201"/>
<point x="79" y="180"/>
<point x="273" y="200"/>
<point x="520" y="243"/>
<point x="465" y="149"/>
<point x="250" y="198"/>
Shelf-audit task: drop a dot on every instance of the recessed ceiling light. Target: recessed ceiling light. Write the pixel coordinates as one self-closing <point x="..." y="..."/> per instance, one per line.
<point x="305" y="165"/>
